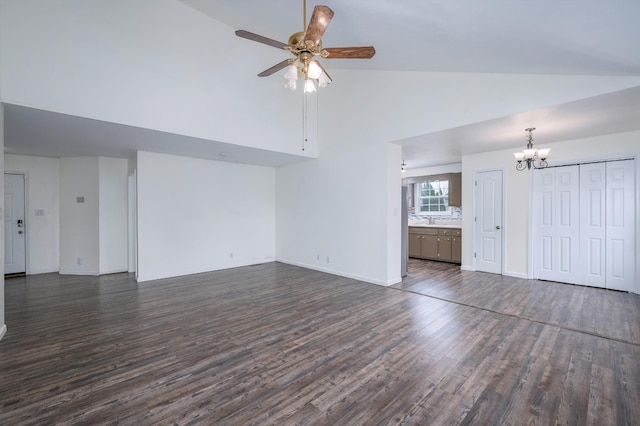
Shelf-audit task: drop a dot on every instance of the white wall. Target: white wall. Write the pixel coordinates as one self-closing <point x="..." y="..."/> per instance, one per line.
<point x="162" y="65"/>
<point x="435" y="170"/>
<point x="394" y="214"/>
<point x="156" y="64"/>
<point x="79" y="222"/>
<point x="43" y="193"/>
<point x="518" y="186"/>
<point x="332" y="213"/>
<point x="198" y="215"/>
<point x="338" y="205"/>
<point x="3" y="327"/>
<point x="113" y="221"/>
<point x="95" y="231"/>
<point x="391" y="106"/>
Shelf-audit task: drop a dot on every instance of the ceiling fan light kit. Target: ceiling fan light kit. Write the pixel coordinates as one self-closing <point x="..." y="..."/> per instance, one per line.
<point x="305" y="46"/>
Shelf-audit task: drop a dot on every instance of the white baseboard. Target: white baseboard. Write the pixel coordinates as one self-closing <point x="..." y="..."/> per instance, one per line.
<point x="42" y="271"/>
<point x="506" y="273"/>
<point x="339" y="273"/>
<point x="151" y="277"/>
<point x="114" y="271"/>
<point x="76" y="272"/>
<point x="516" y="275"/>
<point x="3" y="331"/>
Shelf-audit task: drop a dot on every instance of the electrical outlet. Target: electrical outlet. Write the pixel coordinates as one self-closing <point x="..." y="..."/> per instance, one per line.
<point x="328" y="261"/>
<point x="317" y="257"/>
<point x="79" y="261"/>
<point x="231" y="255"/>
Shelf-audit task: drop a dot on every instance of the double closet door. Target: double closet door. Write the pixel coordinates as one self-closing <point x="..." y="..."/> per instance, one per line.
<point x="584" y="224"/>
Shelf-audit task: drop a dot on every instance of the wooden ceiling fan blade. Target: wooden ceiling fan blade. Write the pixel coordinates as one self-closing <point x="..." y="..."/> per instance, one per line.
<point x="261" y="39"/>
<point x="319" y="22"/>
<point x="275" y="68"/>
<point x="324" y="71"/>
<point x="363" y="52"/>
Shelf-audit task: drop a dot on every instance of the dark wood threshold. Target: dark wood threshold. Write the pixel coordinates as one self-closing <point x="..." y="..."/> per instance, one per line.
<point x="15" y="275"/>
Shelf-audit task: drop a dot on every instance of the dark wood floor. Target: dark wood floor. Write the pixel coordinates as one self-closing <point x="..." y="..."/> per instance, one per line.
<point x="278" y="344"/>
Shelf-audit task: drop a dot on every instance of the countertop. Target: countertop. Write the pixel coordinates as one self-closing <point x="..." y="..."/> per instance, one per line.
<point x="435" y="225"/>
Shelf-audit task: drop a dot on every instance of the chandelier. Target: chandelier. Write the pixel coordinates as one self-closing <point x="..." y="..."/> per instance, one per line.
<point x="531" y="157"/>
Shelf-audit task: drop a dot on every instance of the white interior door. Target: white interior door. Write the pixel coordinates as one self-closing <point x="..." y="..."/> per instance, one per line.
<point x="593" y="188"/>
<point x="556" y="224"/>
<point x="14" y="224"/>
<point x="620" y="229"/>
<point x="584" y="224"/>
<point x="488" y="221"/>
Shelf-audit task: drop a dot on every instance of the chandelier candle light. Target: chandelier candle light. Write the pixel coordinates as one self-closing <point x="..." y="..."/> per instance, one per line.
<point x="531" y="157"/>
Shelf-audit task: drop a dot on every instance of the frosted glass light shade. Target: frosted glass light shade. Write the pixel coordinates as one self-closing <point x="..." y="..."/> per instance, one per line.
<point x="290" y="84"/>
<point x="519" y="156"/>
<point x="543" y="153"/>
<point x="529" y="153"/>
<point x="291" y="73"/>
<point x="324" y="80"/>
<point x="314" y="70"/>
<point x="309" y="87"/>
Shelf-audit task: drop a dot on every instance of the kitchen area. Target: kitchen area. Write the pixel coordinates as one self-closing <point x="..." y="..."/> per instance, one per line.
<point x="433" y="205"/>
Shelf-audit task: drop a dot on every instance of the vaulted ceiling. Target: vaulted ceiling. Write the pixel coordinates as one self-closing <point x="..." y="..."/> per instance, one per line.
<point x="572" y="37"/>
<point x="569" y="37"/>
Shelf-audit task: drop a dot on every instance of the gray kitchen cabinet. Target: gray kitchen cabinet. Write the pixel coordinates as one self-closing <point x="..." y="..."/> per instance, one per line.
<point x="435" y="243"/>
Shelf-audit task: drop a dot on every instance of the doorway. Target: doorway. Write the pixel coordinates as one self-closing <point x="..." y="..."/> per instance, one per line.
<point x="15" y="227"/>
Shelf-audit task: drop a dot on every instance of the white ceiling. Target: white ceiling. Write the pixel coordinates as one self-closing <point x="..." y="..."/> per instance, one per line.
<point x="572" y="37"/>
<point x="41" y="133"/>
<point x="599" y="115"/>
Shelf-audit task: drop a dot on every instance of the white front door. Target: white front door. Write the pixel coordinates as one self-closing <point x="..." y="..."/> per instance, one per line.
<point x="488" y="221"/>
<point x="14" y="224"/>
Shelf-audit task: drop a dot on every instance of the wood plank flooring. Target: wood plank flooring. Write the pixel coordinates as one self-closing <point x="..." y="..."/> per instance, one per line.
<point x="278" y="344"/>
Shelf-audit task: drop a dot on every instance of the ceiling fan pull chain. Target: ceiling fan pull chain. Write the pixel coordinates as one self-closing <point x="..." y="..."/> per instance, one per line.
<point x="304" y="121"/>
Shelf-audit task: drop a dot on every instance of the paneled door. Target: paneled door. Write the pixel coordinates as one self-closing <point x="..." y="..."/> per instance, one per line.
<point x="620" y="230"/>
<point x="556" y="224"/>
<point x="488" y="221"/>
<point x="593" y="188"/>
<point x="14" y="224"/>
<point x="584" y="224"/>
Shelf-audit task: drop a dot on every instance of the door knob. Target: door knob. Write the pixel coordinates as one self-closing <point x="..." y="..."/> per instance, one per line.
<point x="498" y="227"/>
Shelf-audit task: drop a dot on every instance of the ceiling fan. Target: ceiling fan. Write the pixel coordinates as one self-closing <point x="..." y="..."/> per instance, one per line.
<point x="305" y="45"/>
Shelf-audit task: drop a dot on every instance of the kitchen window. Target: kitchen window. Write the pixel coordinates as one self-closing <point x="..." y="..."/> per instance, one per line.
<point x="432" y="198"/>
